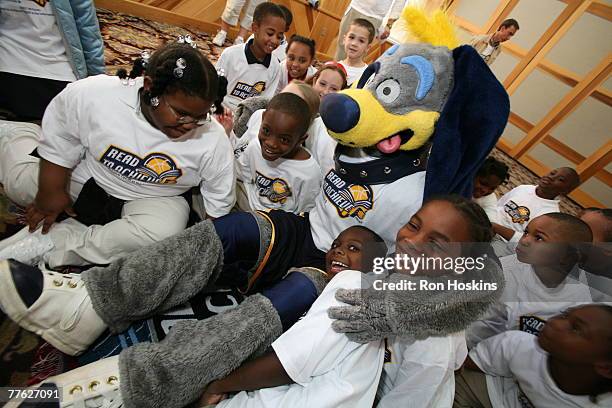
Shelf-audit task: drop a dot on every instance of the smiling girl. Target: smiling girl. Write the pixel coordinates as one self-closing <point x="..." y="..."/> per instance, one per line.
<point x="298" y="64"/>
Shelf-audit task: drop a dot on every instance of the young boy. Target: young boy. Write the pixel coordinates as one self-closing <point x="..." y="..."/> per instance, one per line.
<point x="537" y="281"/>
<point x="250" y="69"/>
<point x="523" y="203"/>
<point x="598" y="261"/>
<point x="568" y="365"/>
<point x="281" y="51"/>
<point x="357" y="42"/>
<point x="275" y="171"/>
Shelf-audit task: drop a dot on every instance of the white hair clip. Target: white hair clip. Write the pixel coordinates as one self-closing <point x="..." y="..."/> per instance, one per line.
<point x="221" y="72"/>
<point x="145" y="55"/>
<point x="186" y="39"/>
<point x="181" y="64"/>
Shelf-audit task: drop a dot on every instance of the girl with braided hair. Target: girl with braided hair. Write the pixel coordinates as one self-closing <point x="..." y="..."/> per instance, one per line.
<point x="115" y="154"/>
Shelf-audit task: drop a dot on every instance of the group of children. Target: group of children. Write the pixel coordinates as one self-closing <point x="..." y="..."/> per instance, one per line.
<point x="544" y="343"/>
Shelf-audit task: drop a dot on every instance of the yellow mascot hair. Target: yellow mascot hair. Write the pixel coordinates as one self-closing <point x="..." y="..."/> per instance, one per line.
<point x="435" y="30"/>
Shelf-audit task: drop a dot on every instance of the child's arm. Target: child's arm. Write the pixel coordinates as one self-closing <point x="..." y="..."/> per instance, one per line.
<point x="505" y="232"/>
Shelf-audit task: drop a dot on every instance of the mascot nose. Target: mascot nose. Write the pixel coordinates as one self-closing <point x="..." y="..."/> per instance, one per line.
<point x="339" y="112"/>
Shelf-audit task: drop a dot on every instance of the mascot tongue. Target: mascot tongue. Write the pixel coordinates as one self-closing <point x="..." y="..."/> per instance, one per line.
<point x="390" y="144"/>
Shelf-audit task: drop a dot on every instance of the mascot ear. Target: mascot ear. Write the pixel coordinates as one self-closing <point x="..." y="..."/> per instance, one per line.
<point x="470" y="124"/>
<point x="244" y="111"/>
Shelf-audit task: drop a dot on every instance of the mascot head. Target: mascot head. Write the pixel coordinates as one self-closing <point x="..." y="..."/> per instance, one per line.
<point x="415" y="94"/>
<point x="397" y="102"/>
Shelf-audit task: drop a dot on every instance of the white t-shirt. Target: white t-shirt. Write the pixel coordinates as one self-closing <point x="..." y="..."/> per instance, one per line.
<point x="321" y="144"/>
<point x="289" y="185"/>
<point x="384" y="208"/>
<point x="247" y="79"/>
<point x="30" y="41"/>
<point x="526" y="303"/>
<point x="353" y="73"/>
<point x="489" y="204"/>
<point x="95" y="127"/>
<point x="421" y="373"/>
<point x="378" y="9"/>
<point x="284" y="77"/>
<point x="329" y="370"/>
<point x="520" y="205"/>
<point x="518" y="377"/>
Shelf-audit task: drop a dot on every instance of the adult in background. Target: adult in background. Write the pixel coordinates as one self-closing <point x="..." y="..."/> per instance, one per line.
<point x="375" y="12"/>
<point x="489" y="45"/>
<point x="45" y="45"/>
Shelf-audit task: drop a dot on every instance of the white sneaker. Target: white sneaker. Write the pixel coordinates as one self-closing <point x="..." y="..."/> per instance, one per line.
<point x="63" y="314"/>
<point x="95" y="385"/>
<point x="219" y="38"/>
<point x="26" y="247"/>
<point x="239" y="40"/>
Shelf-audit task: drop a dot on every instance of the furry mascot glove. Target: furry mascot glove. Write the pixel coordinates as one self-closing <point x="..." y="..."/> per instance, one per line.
<point x="244" y="111"/>
<point x="415" y="314"/>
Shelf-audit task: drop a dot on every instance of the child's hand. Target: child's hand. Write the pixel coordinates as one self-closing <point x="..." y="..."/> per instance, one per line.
<point x="211" y="396"/>
<point x="227" y="120"/>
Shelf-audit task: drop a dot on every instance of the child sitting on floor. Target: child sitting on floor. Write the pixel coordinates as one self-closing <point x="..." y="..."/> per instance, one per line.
<point x="568" y="365"/>
<point x="491" y="175"/>
<point x="537" y="281"/>
<point x="276" y="171"/>
<point x="523" y="203"/>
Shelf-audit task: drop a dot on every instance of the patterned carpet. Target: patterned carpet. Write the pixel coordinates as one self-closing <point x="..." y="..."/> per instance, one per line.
<point x="125" y="37"/>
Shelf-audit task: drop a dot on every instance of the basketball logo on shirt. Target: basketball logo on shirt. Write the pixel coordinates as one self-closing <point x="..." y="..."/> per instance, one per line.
<point x="276" y="190"/>
<point x="518" y="213"/>
<point x="531" y="324"/>
<point x="243" y="90"/>
<point x="155" y="168"/>
<point x="350" y="200"/>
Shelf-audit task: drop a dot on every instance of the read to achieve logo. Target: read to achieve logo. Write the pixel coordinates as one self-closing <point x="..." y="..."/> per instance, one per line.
<point x="350" y="200"/>
<point x="243" y="90"/>
<point x="154" y="168"/>
<point x="274" y="189"/>
<point x="519" y="213"/>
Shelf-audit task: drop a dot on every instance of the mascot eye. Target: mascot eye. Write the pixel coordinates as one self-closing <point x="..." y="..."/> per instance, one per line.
<point x="388" y="90"/>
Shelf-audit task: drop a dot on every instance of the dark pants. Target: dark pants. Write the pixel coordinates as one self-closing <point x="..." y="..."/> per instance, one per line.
<point x="27" y="97"/>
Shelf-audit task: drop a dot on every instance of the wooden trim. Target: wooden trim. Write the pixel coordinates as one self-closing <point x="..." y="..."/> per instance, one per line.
<point x="595" y="162"/>
<point x="500" y="14"/>
<point x="567" y="105"/>
<point x="598" y="8"/>
<point x="156" y="14"/>
<point x="551" y="36"/>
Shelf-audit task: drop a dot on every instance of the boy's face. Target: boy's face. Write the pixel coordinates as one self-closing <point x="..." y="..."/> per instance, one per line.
<point x="485" y="185"/>
<point x="279" y="135"/>
<point x="352" y="249"/>
<point x="269" y="33"/>
<point x="356" y="42"/>
<point x="580" y="336"/>
<point x="542" y="243"/>
<point x="558" y="181"/>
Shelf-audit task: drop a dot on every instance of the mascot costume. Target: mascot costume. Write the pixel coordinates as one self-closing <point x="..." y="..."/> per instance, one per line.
<point x="420" y="121"/>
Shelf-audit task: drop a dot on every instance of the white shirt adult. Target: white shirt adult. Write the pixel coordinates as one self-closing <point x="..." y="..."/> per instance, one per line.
<point x="520" y="205"/>
<point x="246" y="75"/>
<point x="284" y="184"/>
<point x="107" y="137"/>
<point x="379" y="9"/>
<point x="526" y="303"/>
<point x="30" y="41"/>
<point x="517" y="375"/>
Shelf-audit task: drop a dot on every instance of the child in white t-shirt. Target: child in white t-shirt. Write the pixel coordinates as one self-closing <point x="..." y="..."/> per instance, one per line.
<point x="523" y="203"/>
<point x="568" y="366"/>
<point x="598" y="262"/>
<point x="357" y="41"/>
<point x="313" y="366"/>
<point x="274" y="170"/>
<point x="250" y="68"/>
<point x="541" y="279"/>
<point x="298" y="63"/>
<point x="491" y="175"/>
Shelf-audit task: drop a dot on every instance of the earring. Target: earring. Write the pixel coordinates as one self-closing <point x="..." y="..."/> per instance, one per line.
<point x="154" y="101"/>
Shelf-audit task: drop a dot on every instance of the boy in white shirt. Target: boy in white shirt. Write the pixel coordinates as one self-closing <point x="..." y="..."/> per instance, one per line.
<point x="537" y="281"/>
<point x="250" y="68"/>
<point x="275" y="171"/>
<point x="568" y="365"/>
<point x="357" y="42"/>
<point x="523" y="203"/>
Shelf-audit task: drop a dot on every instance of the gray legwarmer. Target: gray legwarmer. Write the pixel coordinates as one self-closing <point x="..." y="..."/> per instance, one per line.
<point x="155" y="278"/>
<point x="174" y="372"/>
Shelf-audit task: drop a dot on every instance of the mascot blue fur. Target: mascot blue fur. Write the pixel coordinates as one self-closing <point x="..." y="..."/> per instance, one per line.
<point x="420" y="121"/>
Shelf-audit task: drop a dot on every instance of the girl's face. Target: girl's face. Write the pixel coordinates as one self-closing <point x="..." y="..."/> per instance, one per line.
<point x="329" y="81"/>
<point x="177" y="112"/>
<point x="298" y="60"/>
<point x="435" y="231"/>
